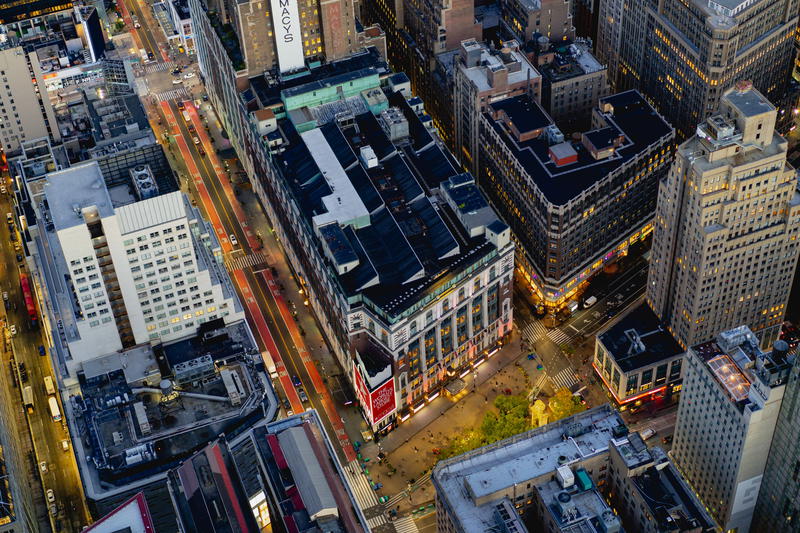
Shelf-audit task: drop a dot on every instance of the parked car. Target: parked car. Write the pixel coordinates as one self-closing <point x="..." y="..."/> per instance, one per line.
<point x="177" y="81"/>
<point x="43" y="467"/>
<point x="188" y="75"/>
<point x="65" y="445"/>
<point x="13" y="329"/>
<point x="51" y="496"/>
<point x="42" y="351"/>
<point x="303" y="395"/>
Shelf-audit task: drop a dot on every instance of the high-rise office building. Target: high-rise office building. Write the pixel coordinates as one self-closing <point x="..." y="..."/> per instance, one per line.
<point x="683" y="54"/>
<point x="732" y="393"/>
<point x="20" y="115"/>
<point x="125" y="269"/>
<point x="482" y="75"/>
<point x="11" y="10"/>
<point x="728" y="216"/>
<point x="573" y="206"/>
<point x="779" y="498"/>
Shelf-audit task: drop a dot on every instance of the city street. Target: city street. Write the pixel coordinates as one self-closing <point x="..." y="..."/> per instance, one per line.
<point x="54" y="467"/>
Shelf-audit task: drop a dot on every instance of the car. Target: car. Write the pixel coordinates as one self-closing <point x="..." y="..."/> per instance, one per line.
<point x="191" y="128"/>
<point x="65" y="445"/>
<point x="23" y="372"/>
<point x="42" y="351"/>
<point x="590" y="301"/>
<point x="202" y="152"/>
<point x="51" y="496"/>
<point x="233" y="240"/>
<point x="9" y="218"/>
<point x="196" y="140"/>
<point x="19" y="258"/>
<point x="43" y="466"/>
<point x="13" y="329"/>
<point x="150" y="55"/>
<point x="287" y="404"/>
<point x="188" y="75"/>
<point x="177" y="81"/>
<point x="296" y="381"/>
<point x="647" y="433"/>
<point x="137" y="25"/>
<point x="17" y="247"/>
<point x="205" y="97"/>
<point x="181" y="105"/>
<point x="302" y="394"/>
<point x="3" y="189"/>
<point x="667" y="440"/>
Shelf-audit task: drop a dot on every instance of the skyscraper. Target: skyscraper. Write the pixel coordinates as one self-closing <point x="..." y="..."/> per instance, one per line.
<point x="779" y="499"/>
<point x="731" y="397"/>
<point x="724" y="248"/>
<point x="683" y="54"/>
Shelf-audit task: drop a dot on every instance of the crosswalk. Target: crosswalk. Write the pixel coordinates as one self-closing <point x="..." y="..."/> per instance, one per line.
<point x="174" y="94"/>
<point x="534" y="331"/>
<point x="161" y="66"/>
<point x="565" y="378"/>
<point x="558" y="336"/>
<point x="364" y="494"/>
<point x="240" y="262"/>
<point x="405" y="525"/>
<point x="376" y="521"/>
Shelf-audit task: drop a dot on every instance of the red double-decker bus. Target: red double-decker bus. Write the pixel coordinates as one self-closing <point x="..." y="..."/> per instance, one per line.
<point x="27" y="293"/>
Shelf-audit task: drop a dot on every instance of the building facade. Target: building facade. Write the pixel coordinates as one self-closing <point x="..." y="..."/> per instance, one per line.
<point x="21" y="115"/>
<point x="573" y="207"/>
<point x="777" y="504"/>
<point x="549" y="18"/>
<point x="395" y="352"/>
<point x="480" y="76"/>
<point x="637" y="359"/>
<point x="684" y="55"/>
<point x="732" y="394"/>
<point x="724" y="248"/>
<point x="139" y="269"/>
<point x="573" y="82"/>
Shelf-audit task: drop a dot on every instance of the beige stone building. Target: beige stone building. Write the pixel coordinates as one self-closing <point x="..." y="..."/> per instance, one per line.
<point x="732" y="394"/>
<point x="728" y="216"/>
<point x="21" y="115"/>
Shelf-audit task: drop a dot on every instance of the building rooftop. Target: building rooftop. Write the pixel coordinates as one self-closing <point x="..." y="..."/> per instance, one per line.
<point x="627" y="113"/>
<point x="132" y="516"/>
<point x="670" y="500"/>
<point x="137" y="420"/>
<point x="483" y="62"/>
<point x="371" y="193"/>
<point x="471" y="484"/>
<point x="570" y="60"/>
<point x="71" y="191"/>
<point x="270" y="88"/>
<point x="578" y="507"/>
<point x="639" y="340"/>
<point x="307" y="480"/>
<point x="736" y="361"/>
<point x="748" y="100"/>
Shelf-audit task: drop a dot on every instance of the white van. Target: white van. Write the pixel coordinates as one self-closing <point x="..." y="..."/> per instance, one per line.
<point x="590" y="301"/>
<point x="48" y="385"/>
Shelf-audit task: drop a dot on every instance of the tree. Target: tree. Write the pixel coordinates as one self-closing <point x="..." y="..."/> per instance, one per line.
<point x="563" y="404"/>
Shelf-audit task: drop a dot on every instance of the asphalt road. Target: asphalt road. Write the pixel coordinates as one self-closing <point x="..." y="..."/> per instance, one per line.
<point x="57" y="468"/>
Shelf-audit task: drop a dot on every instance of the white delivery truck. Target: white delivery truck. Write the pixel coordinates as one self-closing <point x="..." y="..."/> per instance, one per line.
<point x="27" y="398"/>
<point x="55" y="412"/>
<point x="48" y="385"/>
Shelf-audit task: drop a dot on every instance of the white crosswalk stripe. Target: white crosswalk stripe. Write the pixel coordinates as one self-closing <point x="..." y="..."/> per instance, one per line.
<point x="240" y="262"/>
<point x="405" y="525"/>
<point x="565" y="378"/>
<point x="534" y="331"/>
<point x="558" y="336"/>
<point x="174" y="94"/>
<point x="364" y="494"/>
<point x="376" y="521"/>
<point x="161" y="66"/>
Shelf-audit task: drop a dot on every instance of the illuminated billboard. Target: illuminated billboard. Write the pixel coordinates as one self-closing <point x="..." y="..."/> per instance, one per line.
<point x="288" y="38"/>
<point x="377" y="404"/>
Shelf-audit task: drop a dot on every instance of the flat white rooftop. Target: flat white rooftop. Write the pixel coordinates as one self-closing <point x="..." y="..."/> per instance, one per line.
<point x="463" y="481"/>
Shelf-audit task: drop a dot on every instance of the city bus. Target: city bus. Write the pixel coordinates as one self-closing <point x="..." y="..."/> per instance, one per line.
<point x="55" y="412"/>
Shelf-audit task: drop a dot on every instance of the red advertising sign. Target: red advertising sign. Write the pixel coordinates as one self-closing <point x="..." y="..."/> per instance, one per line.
<point x="362" y="392"/>
<point x="377" y="404"/>
<point x="383" y="401"/>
